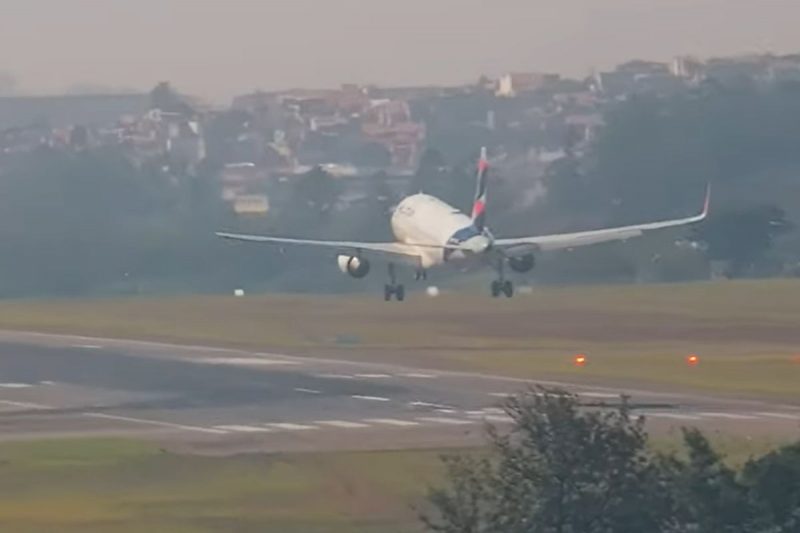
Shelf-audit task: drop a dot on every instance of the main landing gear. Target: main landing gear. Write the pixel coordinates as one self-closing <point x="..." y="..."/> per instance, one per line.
<point x="393" y="288"/>
<point x="502" y="285"/>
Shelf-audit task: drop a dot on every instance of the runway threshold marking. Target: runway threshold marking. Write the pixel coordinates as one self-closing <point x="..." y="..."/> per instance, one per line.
<point x="160" y="423"/>
<point x="370" y="398"/>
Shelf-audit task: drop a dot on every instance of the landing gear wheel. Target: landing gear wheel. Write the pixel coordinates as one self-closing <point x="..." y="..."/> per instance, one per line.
<point x="496" y="288"/>
<point x="508" y="288"/>
<point x="398" y="291"/>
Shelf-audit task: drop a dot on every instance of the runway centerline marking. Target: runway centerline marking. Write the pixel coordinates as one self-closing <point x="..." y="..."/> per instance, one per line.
<point x="25" y="405"/>
<point x="244" y="429"/>
<point x="307" y="391"/>
<point x="242" y="361"/>
<point x="154" y="423"/>
<point x="15" y="385"/>
<point x="784" y="416"/>
<point x="674" y="416"/>
<point x="730" y="416"/>
<point x="607" y="395"/>
<point x="431" y="405"/>
<point x="370" y="398"/>
<point x="373" y="376"/>
<point x="445" y="420"/>
<point x="418" y="375"/>
<point x="88" y="346"/>
<point x="391" y="422"/>
<point x="345" y="424"/>
<point x="291" y="427"/>
<point x="334" y="376"/>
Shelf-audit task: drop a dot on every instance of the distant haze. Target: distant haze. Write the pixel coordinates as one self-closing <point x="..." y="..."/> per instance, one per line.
<point x="218" y="48"/>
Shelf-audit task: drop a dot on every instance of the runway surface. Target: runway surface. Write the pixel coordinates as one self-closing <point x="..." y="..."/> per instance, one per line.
<point x="221" y="401"/>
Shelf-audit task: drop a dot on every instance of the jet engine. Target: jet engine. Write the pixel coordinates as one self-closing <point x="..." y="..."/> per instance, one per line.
<point x="357" y="267"/>
<point x="522" y="263"/>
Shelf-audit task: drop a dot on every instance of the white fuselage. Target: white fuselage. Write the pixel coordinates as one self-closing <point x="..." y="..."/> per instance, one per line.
<point x="423" y="220"/>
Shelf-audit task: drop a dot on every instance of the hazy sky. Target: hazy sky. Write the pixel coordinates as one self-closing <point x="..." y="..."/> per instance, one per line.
<point x="217" y="48"/>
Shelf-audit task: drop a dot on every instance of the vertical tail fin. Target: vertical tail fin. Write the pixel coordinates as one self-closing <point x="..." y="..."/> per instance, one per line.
<point x="479" y="205"/>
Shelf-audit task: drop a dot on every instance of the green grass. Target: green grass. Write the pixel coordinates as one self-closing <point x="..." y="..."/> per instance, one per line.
<point x="120" y="486"/>
<point x="116" y="486"/>
<point x="745" y="332"/>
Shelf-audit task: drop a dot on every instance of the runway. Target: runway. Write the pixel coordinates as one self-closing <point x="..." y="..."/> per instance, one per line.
<point x="221" y="401"/>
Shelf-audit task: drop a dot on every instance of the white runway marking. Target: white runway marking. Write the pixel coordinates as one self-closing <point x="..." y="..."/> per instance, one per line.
<point x="674" y="416"/>
<point x="418" y="375"/>
<point x="729" y="416"/>
<point x="47" y="383"/>
<point x="307" y="391"/>
<point x="500" y="394"/>
<point x="291" y="427"/>
<point x="241" y="361"/>
<point x="154" y="423"/>
<point x="88" y="346"/>
<point x="15" y="385"/>
<point x="391" y="422"/>
<point x="341" y="424"/>
<point x="607" y="395"/>
<point x="431" y="405"/>
<point x="784" y="416"/>
<point x="499" y="419"/>
<point x="334" y="376"/>
<point x="373" y="376"/>
<point x="370" y="398"/>
<point x="445" y="420"/>
<point x="25" y="405"/>
<point x="244" y="429"/>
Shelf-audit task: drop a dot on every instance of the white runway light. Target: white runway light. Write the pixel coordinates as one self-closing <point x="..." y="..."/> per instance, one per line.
<point x="432" y="291"/>
<point x="238" y="293"/>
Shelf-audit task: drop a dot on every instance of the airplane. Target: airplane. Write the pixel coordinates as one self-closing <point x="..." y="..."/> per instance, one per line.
<point x="430" y="233"/>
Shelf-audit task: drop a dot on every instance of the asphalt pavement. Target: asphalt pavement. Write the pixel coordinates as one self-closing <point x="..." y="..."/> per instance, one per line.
<point x="220" y="401"/>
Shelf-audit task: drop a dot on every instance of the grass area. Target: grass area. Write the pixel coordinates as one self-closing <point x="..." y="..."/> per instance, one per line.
<point x="745" y="332"/>
<point x="119" y="486"/>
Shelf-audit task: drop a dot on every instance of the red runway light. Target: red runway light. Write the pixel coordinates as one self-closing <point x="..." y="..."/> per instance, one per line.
<point x="580" y="360"/>
<point x="692" y="360"/>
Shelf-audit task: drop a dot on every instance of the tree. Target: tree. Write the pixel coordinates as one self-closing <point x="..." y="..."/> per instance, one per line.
<point x="561" y="470"/>
<point x="742" y="237"/>
<point x="773" y="482"/>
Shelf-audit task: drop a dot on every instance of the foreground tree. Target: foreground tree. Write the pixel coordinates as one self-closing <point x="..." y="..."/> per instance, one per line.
<point x="567" y="469"/>
<point x="562" y="469"/>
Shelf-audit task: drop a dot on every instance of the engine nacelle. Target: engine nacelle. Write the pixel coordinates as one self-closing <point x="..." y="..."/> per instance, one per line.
<point x="357" y="267"/>
<point x="522" y="263"/>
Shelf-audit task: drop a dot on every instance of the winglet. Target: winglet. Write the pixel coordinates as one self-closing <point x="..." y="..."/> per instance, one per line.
<point x="707" y="202"/>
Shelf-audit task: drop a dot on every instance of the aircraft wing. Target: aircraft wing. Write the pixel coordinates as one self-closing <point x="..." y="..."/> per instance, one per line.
<point x="391" y="248"/>
<point x="524" y="245"/>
